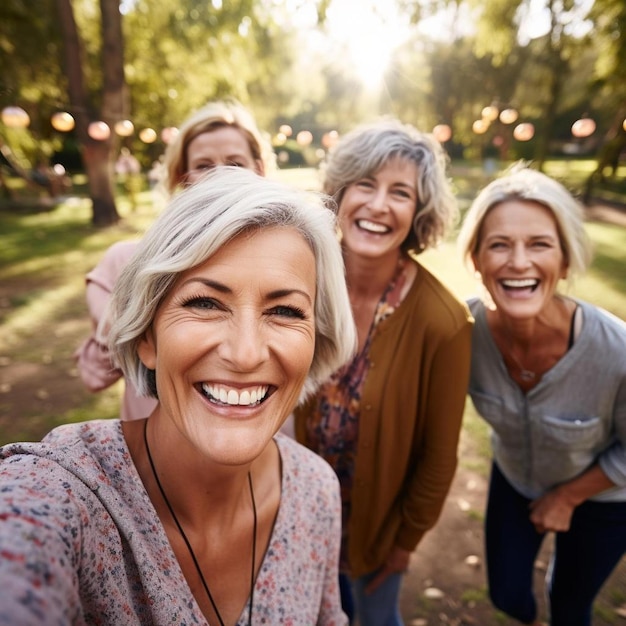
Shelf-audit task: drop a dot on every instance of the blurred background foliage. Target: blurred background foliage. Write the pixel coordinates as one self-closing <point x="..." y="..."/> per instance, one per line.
<point x="318" y="66"/>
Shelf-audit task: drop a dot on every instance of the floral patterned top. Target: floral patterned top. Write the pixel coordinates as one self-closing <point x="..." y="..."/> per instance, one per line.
<point x="333" y="429"/>
<point x="81" y="543"/>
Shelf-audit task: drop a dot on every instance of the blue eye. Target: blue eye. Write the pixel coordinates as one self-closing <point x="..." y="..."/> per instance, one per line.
<point x="201" y="302"/>
<point x="288" y="311"/>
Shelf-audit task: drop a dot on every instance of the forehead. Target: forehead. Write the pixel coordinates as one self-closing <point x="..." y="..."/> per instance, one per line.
<point x="220" y="140"/>
<point x="398" y="167"/>
<point x="519" y="215"/>
<point x="276" y="254"/>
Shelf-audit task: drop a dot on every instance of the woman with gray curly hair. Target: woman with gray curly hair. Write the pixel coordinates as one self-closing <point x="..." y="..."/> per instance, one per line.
<point x="549" y="376"/>
<point x="388" y="422"/>
<point x="232" y="310"/>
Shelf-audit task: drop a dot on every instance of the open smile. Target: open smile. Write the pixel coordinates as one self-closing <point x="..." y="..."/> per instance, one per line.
<point x="228" y="396"/>
<point x="520" y="284"/>
<point x="373" y="227"/>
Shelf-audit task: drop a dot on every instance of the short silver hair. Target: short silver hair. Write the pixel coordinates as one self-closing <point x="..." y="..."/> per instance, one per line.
<point x="196" y="224"/>
<point x="520" y="182"/>
<point x="368" y="148"/>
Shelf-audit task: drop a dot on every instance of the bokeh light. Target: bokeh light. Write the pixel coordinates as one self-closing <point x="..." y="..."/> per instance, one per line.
<point x="168" y="134"/>
<point x="15" y="117"/>
<point x="124" y="128"/>
<point x="62" y="121"/>
<point x="480" y="127"/>
<point x="490" y="113"/>
<point x="99" y="131"/>
<point x="442" y="133"/>
<point x="148" y="135"/>
<point x="304" y="137"/>
<point x="583" y="127"/>
<point x="508" y="116"/>
<point x="524" y="131"/>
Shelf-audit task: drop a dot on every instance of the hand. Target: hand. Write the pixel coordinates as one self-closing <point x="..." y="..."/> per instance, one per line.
<point x="552" y="511"/>
<point x="397" y="561"/>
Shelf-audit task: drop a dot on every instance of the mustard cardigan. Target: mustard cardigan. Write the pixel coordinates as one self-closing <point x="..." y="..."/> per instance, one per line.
<point x="411" y="412"/>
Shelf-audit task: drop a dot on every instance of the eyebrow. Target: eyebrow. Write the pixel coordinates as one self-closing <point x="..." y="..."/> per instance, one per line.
<point x="272" y="295"/>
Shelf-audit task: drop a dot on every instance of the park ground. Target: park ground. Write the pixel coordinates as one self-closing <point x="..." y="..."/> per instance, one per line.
<point x="40" y="387"/>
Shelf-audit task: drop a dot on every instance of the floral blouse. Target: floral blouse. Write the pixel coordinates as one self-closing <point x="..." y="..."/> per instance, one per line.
<point x="333" y="430"/>
<point x="81" y="543"/>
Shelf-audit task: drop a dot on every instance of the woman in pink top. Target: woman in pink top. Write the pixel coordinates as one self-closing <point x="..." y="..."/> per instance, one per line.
<point x="221" y="133"/>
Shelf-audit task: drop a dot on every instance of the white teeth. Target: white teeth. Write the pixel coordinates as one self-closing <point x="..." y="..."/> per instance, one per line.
<point x="520" y="283"/>
<point x="372" y="226"/>
<point x="232" y="397"/>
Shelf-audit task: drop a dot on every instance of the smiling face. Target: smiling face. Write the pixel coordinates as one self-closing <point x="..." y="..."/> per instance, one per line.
<point x="376" y="213"/>
<point x="520" y="258"/>
<point x="232" y="344"/>
<point x="225" y="145"/>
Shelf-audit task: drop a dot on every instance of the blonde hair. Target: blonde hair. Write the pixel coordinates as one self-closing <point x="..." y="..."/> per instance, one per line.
<point x="198" y="222"/>
<point x="369" y="147"/>
<point x="522" y="183"/>
<point x="218" y="114"/>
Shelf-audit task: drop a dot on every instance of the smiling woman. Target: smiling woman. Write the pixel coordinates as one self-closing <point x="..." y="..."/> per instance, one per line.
<point x="549" y="375"/>
<point x="232" y="309"/>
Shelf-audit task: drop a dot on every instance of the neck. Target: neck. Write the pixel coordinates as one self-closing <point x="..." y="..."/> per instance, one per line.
<point x="183" y="475"/>
<point x="369" y="277"/>
<point x="527" y="333"/>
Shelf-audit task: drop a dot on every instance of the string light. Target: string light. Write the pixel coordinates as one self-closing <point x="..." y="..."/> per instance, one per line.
<point x="15" y="117"/>
<point x="442" y="133"/>
<point x="330" y="138"/>
<point x="168" y="134"/>
<point x="524" y="131"/>
<point x="62" y="121"/>
<point x="148" y="135"/>
<point x="99" y="131"/>
<point x="490" y="113"/>
<point x="508" y="116"/>
<point x="480" y="127"/>
<point x="583" y="127"/>
<point x="304" y="137"/>
<point x="124" y="128"/>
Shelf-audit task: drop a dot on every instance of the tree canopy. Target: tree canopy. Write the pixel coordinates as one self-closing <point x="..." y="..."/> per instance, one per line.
<point x="155" y="62"/>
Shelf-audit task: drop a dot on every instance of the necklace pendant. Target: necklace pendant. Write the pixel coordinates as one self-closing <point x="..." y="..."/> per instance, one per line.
<point x="526" y="375"/>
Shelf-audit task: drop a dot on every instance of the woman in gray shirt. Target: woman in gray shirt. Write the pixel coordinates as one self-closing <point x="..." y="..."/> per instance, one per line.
<point x="549" y="375"/>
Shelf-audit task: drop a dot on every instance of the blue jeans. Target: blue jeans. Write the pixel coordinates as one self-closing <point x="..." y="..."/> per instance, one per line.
<point x="583" y="558"/>
<point x="379" y="608"/>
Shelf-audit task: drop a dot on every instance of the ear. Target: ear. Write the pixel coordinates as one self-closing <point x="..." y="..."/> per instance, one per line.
<point x="260" y="167"/>
<point x="475" y="263"/>
<point x="146" y="350"/>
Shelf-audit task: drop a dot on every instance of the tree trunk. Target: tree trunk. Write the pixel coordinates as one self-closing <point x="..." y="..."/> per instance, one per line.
<point x="559" y="70"/>
<point x="96" y="155"/>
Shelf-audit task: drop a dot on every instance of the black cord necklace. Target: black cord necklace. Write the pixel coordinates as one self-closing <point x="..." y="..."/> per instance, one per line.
<point x="188" y="544"/>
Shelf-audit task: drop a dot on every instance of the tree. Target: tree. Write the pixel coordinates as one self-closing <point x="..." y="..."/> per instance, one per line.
<point x="610" y="86"/>
<point x="97" y="155"/>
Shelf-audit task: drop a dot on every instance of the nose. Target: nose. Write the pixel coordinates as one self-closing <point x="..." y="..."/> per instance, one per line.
<point x="519" y="258"/>
<point x="244" y="344"/>
<point x="378" y="200"/>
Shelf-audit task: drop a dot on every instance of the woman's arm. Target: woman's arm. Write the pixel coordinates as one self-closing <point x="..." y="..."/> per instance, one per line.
<point x="432" y="476"/>
<point x="38" y="578"/>
<point x="553" y="511"/>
